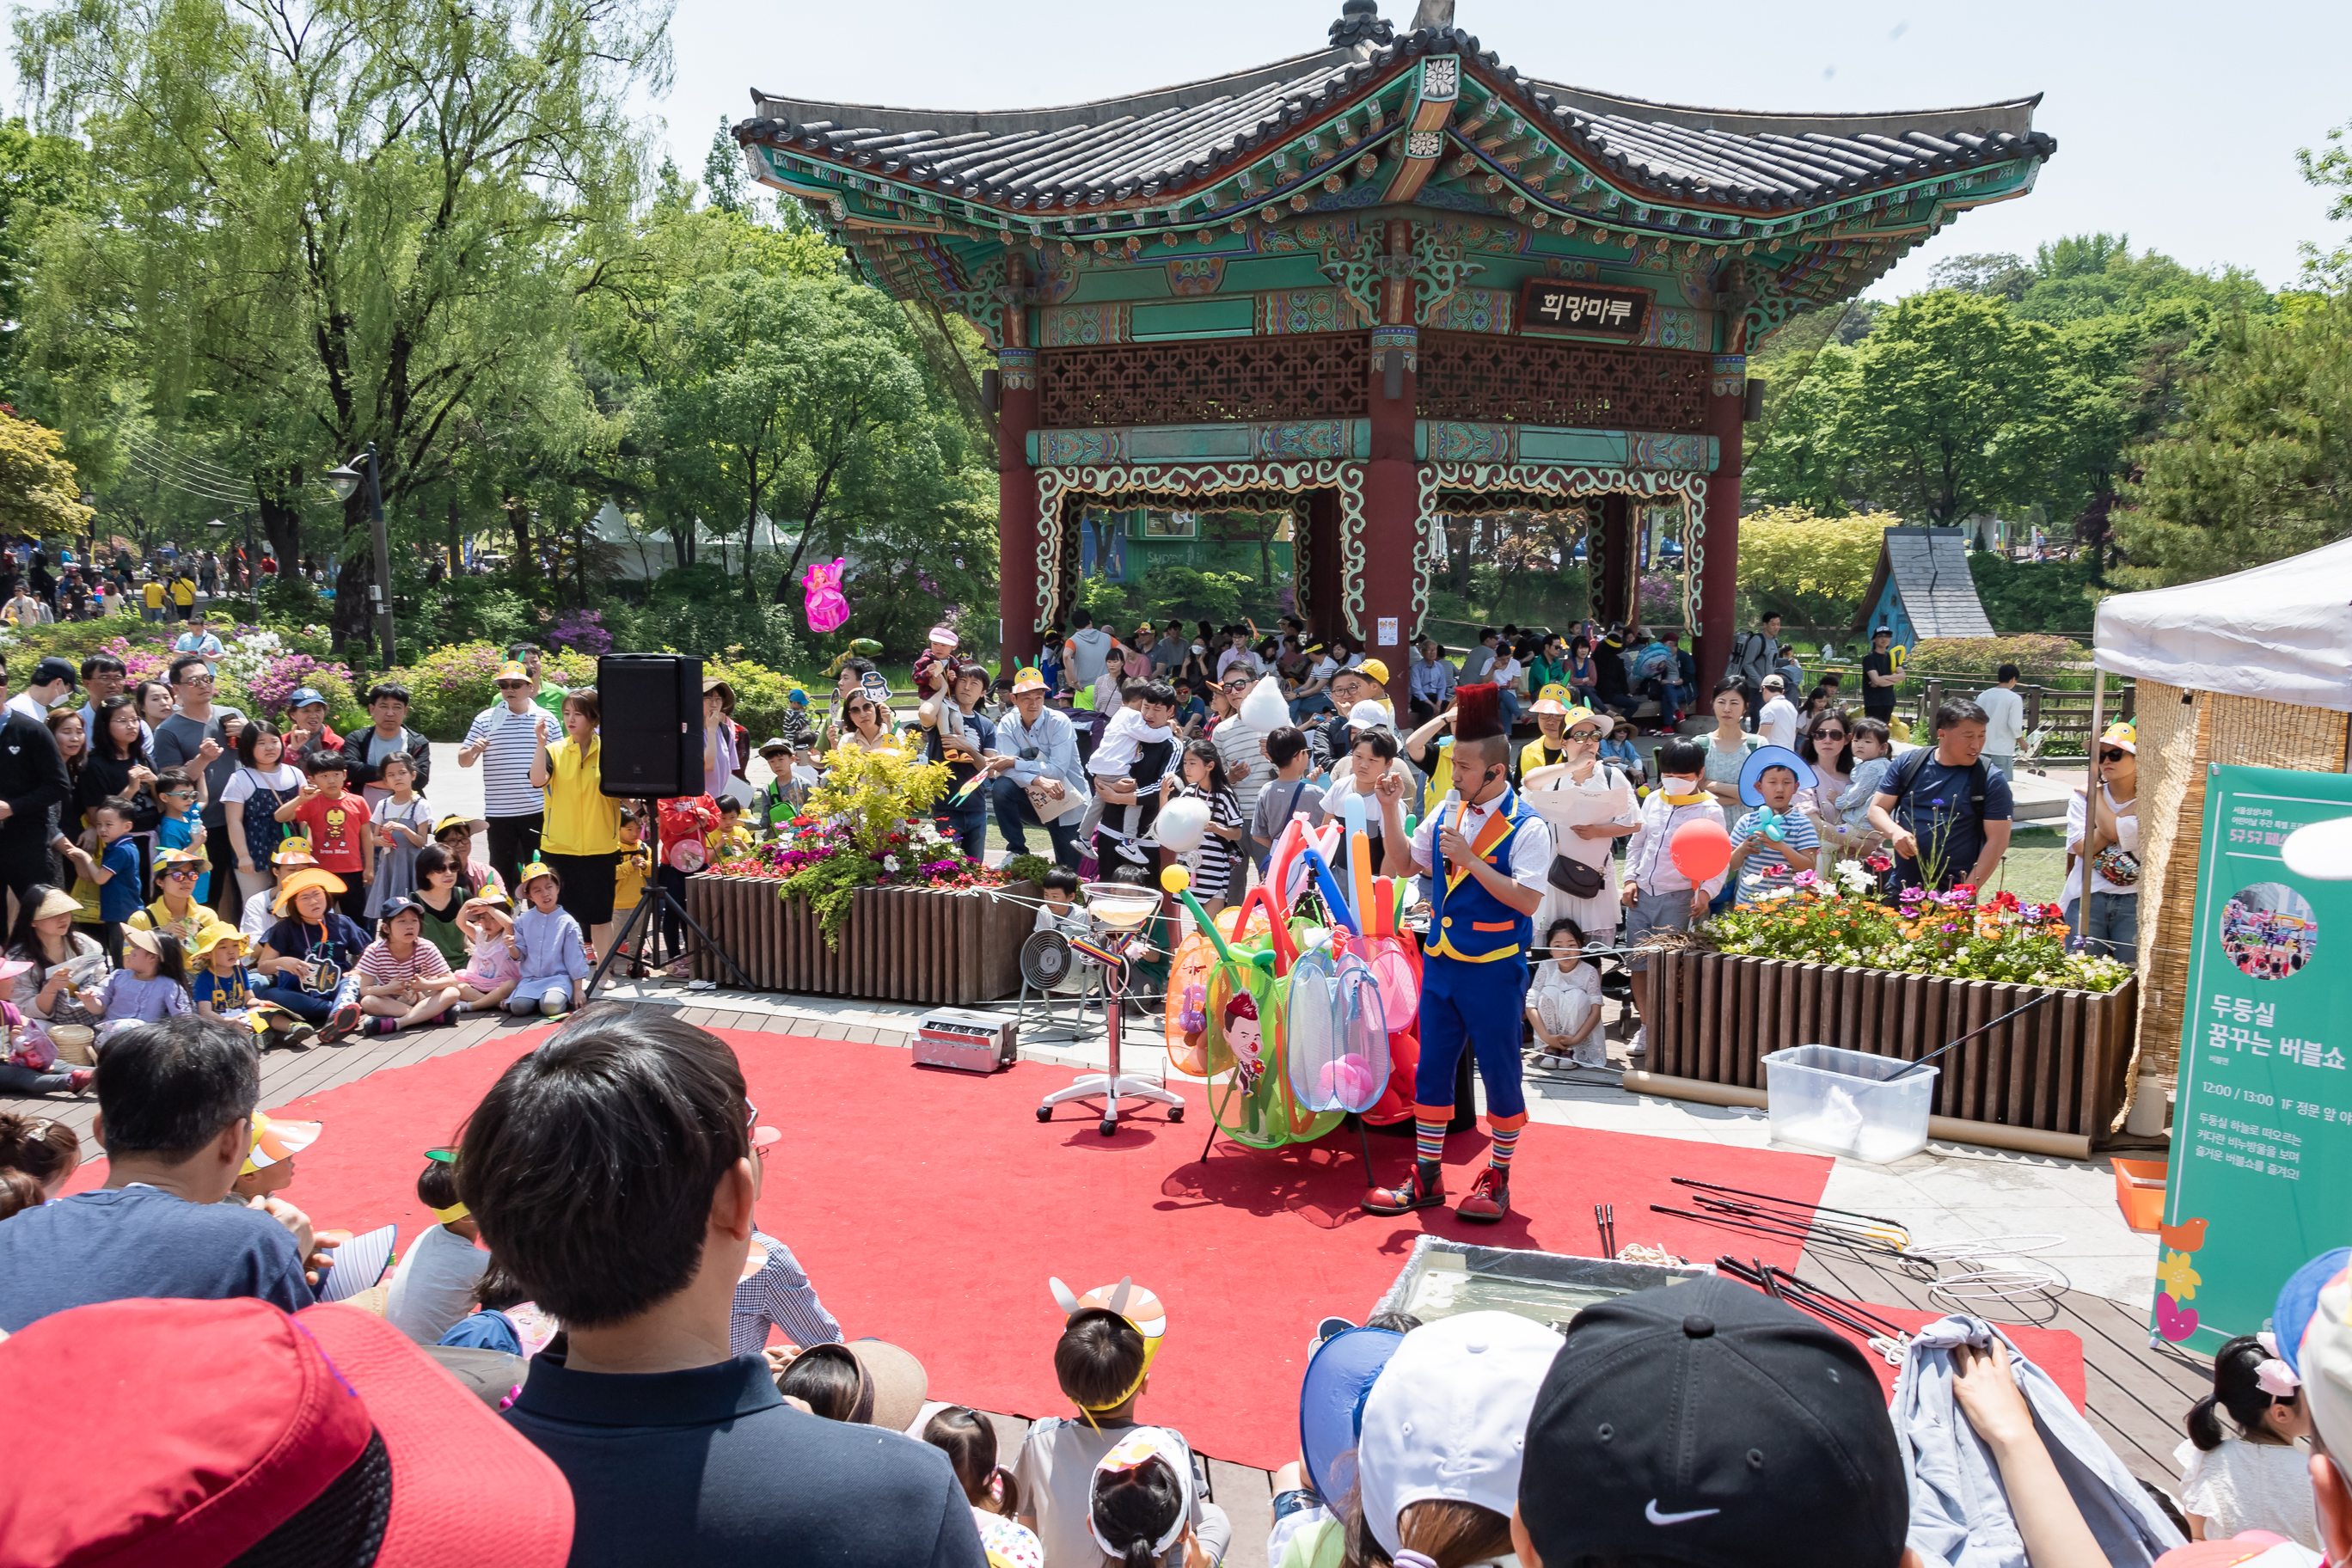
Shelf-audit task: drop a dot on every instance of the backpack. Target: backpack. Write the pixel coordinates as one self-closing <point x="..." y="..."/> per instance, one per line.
<point x="1906" y="773"/>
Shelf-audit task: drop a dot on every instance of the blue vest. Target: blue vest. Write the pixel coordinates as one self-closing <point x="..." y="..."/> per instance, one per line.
<point x="1471" y="924"/>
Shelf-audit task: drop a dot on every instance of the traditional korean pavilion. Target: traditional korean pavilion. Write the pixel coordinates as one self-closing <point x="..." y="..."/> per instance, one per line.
<point x="1387" y="280"/>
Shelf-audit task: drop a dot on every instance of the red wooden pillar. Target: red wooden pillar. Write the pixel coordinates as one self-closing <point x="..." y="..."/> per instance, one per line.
<point x="1719" y="578"/>
<point x="1392" y="521"/>
<point x="1615" y="570"/>
<point x="1318" y="586"/>
<point x="1016" y="505"/>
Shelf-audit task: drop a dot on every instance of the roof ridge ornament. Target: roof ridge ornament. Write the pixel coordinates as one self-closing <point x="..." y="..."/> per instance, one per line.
<point x="1359" y="22"/>
<point x="1436" y="13"/>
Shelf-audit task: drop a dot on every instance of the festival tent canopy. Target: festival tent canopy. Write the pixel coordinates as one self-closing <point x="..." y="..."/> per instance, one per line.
<point x="2282" y="632"/>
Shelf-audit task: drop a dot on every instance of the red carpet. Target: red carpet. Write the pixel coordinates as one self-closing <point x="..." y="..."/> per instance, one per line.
<point x="930" y="1207"/>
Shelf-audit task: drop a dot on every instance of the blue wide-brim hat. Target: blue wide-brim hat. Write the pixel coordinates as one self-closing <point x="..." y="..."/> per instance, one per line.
<point x="2298" y="1299"/>
<point x="1331" y="1405"/>
<point x="1764" y="757"/>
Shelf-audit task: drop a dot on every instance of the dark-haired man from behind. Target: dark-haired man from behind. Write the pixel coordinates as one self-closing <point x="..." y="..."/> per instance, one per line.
<point x="176" y="1116"/>
<point x="615" y="1171"/>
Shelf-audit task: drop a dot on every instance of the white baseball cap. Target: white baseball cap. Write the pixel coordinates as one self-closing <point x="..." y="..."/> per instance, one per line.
<point x="1448" y="1417"/>
<point x="1368" y="715"/>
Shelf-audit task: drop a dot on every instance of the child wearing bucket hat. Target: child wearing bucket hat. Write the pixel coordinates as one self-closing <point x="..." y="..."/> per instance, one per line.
<point x="1773" y="837"/>
<point x="552" y="958"/>
<point x="224" y="987"/>
<point x="491" y="968"/>
<point x="310" y="954"/>
<point x="151" y="986"/>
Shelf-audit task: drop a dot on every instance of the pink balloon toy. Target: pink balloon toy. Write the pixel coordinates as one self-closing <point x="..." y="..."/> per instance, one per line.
<point x="826" y="607"/>
<point x="1348" y="1081"/>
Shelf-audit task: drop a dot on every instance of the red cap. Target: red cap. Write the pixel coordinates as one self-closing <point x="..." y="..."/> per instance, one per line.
<point x="220" y="1421"/>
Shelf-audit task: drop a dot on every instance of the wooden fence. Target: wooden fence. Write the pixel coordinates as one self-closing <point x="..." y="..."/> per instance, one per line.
<point x="2067" y="712"/>
<point x="947" y="947"/>
<point x="2059" y="1068"/>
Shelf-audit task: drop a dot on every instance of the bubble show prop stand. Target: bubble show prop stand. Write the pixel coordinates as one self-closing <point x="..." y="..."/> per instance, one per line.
<point x="2262" y="1141"/>
<point x="1126" y="909"/>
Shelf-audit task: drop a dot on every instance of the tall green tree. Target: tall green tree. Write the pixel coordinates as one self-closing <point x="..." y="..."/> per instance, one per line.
<point x="362" y="220"/>
<point x="2259" y="464"/>
<point x="1950" y="406"/>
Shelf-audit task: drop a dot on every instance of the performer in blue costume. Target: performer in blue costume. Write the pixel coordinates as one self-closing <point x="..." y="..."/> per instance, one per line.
<point x="1487" y="857"/>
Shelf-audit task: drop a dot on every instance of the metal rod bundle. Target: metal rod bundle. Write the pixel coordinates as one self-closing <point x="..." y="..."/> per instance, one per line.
<point x="1783" y="1285"/>
<point x="1604" y="1219"/>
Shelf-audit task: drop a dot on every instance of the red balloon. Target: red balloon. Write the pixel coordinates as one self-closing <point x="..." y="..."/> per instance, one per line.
<point x="1701" y="849"/>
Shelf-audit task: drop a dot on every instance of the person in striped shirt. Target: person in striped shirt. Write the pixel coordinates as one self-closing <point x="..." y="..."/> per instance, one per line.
<point x="1772" y="839"/>
<point x="774" y="1289"/>
<point x="402" y="980"/>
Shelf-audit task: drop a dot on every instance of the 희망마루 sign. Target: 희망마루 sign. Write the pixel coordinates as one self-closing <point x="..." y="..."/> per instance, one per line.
<point x="1557" y="305"/>
<point x="2262" y="1126"/>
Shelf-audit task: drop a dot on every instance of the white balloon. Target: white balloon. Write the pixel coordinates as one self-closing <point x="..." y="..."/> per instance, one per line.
<point x="1182" y="825"/>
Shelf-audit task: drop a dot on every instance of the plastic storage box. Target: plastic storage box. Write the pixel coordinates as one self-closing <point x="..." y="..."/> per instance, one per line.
<point x="1843" y="1102"/>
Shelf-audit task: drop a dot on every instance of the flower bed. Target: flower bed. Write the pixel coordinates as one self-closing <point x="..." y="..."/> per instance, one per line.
<point x="1947" y="934"/>
<point x="1828" y="964"/>
<point x="861" y="896"/>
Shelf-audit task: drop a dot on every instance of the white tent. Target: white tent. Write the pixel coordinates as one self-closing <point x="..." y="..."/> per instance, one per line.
<point x="2280" y="632"/>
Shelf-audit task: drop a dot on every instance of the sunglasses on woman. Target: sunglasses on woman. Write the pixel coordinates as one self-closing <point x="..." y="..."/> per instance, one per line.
<point x="1829" y="735"/>
<point x="2111" y="756"/>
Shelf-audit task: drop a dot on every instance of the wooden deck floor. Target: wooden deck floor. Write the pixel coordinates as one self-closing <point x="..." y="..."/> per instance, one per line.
<point x="2135" y="1396"/>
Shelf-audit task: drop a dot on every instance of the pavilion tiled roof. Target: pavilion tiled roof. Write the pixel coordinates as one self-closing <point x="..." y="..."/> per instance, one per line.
<point x="1139" y="147"/>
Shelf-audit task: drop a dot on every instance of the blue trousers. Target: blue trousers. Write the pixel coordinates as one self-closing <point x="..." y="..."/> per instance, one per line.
<point x="967" y="825"/>
<point x="307" y="1005"/>
<point x="1479" y="1006"/>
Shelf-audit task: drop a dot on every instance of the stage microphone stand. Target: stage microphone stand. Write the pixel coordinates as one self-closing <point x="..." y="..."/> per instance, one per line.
<point x="656" y="899"/>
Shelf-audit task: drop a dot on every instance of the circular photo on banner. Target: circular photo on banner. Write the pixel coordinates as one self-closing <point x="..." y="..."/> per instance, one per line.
<point x="2269" y="930"/>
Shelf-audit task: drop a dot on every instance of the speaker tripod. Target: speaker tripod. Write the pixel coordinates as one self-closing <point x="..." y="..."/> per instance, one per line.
<point x="656" y="900"/>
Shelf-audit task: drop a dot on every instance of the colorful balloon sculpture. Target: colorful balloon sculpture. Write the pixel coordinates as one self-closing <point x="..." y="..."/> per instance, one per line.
<point x="1312" y="1016"/>
<point x="827" y="609"/>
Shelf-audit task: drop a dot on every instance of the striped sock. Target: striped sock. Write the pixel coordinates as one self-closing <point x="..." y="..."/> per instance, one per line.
<point x="1429" y="1140"/>
<point x="1505" y="1143"/>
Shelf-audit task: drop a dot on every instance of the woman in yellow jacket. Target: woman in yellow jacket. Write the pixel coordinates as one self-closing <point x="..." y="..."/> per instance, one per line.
<point x="582" y="839"/>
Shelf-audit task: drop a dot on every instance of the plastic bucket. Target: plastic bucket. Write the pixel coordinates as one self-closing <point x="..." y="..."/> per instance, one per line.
<point x="1847" y="1102"/>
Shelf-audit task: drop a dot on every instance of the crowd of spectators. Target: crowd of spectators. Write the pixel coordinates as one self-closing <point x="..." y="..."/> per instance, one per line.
<point x="599" y="1354"/>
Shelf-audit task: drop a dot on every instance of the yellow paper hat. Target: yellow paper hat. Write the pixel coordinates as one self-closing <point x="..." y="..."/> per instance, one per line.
<point x="2123" y="733"/>
<point x="1552" y="699"/>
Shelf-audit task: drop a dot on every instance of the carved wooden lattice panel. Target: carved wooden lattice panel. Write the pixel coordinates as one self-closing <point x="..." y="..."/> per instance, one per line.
<point x="1311" y="375"/>
<point x="1480" y="377"/>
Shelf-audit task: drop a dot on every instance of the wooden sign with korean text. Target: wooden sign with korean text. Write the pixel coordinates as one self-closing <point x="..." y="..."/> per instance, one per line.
<point x="1598" y="310"/>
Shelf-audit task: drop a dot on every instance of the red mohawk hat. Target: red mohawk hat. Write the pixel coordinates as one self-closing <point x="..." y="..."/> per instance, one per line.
<point x="1479" y="712"/>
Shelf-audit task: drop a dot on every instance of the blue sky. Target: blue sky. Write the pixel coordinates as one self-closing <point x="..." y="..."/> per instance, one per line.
<point x="2177" y="124"/>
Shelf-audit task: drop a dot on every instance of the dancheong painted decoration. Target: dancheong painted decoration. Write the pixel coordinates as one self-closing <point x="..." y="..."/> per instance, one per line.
<point x="1385" y="282"/>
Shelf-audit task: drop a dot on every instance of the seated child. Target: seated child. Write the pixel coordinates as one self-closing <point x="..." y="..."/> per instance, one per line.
<point x="1150" y="955"/>
<point x="32" y="1065"/>
<point x="151" y="986"/>
<point x="733" y="840"/>
<point x="1564" y="1003"/>
<point x="1768" y="782"/>
<point x="1142" y="1495"/>
<point x="1059" y="909"/>
<point x="223" y="988"/>
<point x="403" y="979"/>
<point x="1103" y="1365"/>
<point x="553" y="978"/>
<point x="261" y="910"/>
<point x="774" y="1292"/>
<point x="968" y="1440"/>
<point x="435" y="1287"/>
<point x="490" y="973"/>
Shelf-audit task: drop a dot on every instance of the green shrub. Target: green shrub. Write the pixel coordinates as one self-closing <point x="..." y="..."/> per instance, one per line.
<point x="702" y="609"/>
<point x="472" y="609"/>
<point x="2036" y="656"/>
<point x="1215" y="596"/>
<point x="2047" y="596"/>
<point x="1109" y="603"/>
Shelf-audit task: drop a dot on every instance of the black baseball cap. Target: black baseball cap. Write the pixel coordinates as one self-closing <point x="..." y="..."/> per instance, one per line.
<point x="54" y="669"/>
<point x="1707" y="1423"/>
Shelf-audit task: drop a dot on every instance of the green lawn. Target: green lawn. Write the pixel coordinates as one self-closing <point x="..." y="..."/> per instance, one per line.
<point x="2035" y="867"/>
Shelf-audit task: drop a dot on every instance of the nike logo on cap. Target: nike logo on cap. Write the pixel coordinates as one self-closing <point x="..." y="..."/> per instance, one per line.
<point x="1656" y="1517"/>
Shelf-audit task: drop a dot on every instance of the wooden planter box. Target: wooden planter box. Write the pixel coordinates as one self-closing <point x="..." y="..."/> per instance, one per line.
<point x="902" y="944"/>
<point x="2058" y="1069"/>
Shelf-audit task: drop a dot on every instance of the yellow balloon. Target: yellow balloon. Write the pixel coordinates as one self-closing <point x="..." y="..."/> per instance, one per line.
<point x="1176" y="879"/>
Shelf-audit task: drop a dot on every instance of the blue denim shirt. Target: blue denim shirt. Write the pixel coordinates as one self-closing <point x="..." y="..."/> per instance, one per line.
<point x="1055" y="742"/>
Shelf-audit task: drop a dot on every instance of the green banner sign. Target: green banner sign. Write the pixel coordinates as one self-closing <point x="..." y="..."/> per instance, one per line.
<point x="2260" y="1178"/>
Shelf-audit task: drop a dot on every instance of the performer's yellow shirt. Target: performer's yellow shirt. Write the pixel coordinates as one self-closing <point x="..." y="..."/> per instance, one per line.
<point x="183" y="593"/>
<point x="154" y="592"/>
